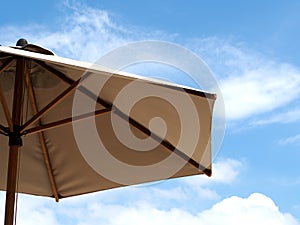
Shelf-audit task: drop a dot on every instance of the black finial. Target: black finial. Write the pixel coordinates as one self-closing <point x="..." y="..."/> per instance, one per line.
<point x="22" y="42"/>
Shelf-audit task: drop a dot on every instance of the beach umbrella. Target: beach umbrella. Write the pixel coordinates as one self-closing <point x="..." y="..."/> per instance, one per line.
<point x="68" y="127"/>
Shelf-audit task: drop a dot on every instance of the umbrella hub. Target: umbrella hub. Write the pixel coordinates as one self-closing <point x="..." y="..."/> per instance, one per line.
<point x="21" y="42"/>
<point x="15" y="136"/>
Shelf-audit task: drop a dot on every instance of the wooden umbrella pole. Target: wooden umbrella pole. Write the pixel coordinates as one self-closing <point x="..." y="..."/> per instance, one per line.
<point x="15" y="142"/>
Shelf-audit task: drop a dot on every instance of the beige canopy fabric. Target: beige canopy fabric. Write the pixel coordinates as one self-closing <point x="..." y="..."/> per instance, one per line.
<point x="59" y="159"/>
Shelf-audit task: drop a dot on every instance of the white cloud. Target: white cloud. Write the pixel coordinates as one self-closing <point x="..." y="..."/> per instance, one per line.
<point x="31" y="209"/>
<point x="86" y="34"/>
<point x="290" y="140"/>
<point x="260" y="90"/>
<point x="226" y="170"/>
<point x="83" y="33"/>
<point x="281" y="118"/>
<point x="252" y="84"/>
<point x="255" y="209"/>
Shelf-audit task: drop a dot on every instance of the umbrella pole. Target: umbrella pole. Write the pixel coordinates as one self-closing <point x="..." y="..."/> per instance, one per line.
<point x="15" y="142"/>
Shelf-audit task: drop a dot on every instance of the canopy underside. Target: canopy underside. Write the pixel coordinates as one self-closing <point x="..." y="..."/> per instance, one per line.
<point x="55" y="159"/>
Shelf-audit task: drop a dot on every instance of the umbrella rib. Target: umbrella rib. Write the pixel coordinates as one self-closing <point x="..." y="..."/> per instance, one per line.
<point x="54" y="102"/>
<point x="55" y="72"/>
<point x="70" y="81"/>
<point x="6" y="65"/>
<point x="189" y="91"/>
<point x="4" y="104"/>
<point x="6" y="57"/>
<point x="42" y="138"/>
<point x="66" y="121"/>
<point x="6" y="110"/>
<point x="3" y="130"/>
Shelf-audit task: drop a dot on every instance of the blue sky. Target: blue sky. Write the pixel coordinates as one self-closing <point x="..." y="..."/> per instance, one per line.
<point x="252" y="47"/>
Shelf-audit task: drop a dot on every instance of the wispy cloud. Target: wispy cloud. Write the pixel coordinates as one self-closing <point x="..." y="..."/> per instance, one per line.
<point x="252" y="84"/>
<point x="84" y="33"/>
<point x="289" y="116"/>
<point x="290" y="140"/>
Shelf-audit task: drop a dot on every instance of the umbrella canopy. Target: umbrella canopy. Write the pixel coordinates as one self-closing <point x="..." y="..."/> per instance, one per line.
<point x="52" y="107"/>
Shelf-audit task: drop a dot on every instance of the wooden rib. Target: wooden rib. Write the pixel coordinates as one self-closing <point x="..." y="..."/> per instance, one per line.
<point x="66" y="121"/>
<point x="53" y="103"/>
<point x="54" y="72"/>
<point x="42" y="138"/>
<point x="187" y="90"/>
<point x="70" y="81"/>
<point x="4" y="104"/>
<point x="3" y="130"/>
<point x="6" y="110"/>
<point x="6" y="65"/>
<point x="6" y="57"/>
